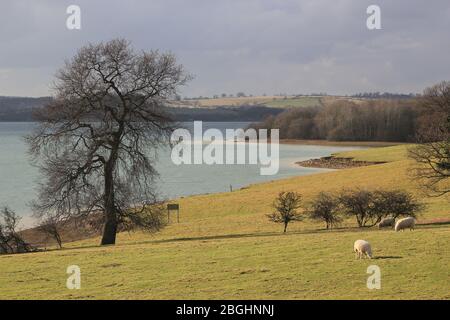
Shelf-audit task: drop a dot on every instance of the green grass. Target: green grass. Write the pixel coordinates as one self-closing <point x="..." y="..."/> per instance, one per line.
<point x="388" y="154"/>
<point x="295" y="102"/>
<point x="224" y="247"/>
<point x="317" y="265"/>
<point x="272" y="101"/>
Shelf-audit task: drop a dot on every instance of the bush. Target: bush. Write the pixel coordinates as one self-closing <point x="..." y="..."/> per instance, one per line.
<point x="399" y="203"/>
<point x="286" y="207"/>
<point x="369" y="207"/>
<point x="325" y="207"/>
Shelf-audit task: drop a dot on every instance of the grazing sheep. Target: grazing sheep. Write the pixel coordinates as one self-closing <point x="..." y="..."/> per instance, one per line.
<point x="405" y="223"/>
<point x="361" y="248"/>
<point x="386" y="222"/>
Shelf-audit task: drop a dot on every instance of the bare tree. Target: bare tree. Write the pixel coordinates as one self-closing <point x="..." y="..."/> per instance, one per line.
<point x="369" y="207"/>
<point x="432" y="154"/>
<point x="364" y="205"/>
<point x="325" y="208"/>
<point x="10" y="239"/>
<point x="50" y="228"/>
<point x="286" y="207"/>
<point x="97" y="141"/>
<point x="398" y="203"/>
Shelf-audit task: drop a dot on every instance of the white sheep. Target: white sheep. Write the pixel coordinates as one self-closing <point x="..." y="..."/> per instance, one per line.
<point x="386" y="222"/>
<point x="361" y="248"/>
<point x="405" y="223"/>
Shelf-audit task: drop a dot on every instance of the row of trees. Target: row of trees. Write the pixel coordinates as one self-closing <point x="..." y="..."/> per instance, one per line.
<point x="374" y="120"/>
<point x="366" y="206"/>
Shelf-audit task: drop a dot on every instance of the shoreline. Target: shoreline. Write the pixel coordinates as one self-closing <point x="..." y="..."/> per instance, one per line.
<point x="370" y="144"/>
<point x="327" y="163"/>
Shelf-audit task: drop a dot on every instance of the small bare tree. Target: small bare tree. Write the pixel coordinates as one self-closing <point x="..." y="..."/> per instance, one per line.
<point x="286" y="207"/>
<point x="325" y="207"/>
<point x="96" y="142"/>
<point x="10" y="239"/>
<point x="432" y="154"/>
<point x="50" y="228"/>
<point x="398" y="203"/>
<point x="364" y="205"/>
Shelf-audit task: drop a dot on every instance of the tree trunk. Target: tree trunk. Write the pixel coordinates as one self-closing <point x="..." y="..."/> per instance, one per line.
<point x="285" y="227"/>
<point x="58" y="239"/>
<point x="110" y="228"/>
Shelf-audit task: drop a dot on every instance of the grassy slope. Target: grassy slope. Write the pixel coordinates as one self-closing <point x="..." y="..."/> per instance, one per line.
<point x="389" y="154"/>
<point x="224" y="247"/>
<point x="295" y="102"/>
<point x="270" y="101"/>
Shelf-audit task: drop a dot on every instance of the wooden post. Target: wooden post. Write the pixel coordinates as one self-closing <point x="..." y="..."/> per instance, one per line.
<point x="173" y="206"/>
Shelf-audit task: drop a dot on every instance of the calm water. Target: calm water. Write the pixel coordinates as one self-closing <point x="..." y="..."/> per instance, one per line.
<point x="18" y="177"/>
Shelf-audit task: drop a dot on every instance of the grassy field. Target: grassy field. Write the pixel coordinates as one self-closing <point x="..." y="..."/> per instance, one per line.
<point x="270" y="101"/>
<point x="224" y="247"/>
<point x="388" y="154"/>
<point x="295" y="102"/>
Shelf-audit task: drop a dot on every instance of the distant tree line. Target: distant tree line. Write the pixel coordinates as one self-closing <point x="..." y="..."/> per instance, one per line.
<point x="384" y="95"/>
<point x="373" y="120"/>
<point x="20" y="108"/>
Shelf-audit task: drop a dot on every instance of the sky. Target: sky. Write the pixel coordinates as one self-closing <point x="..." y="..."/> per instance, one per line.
<point x="254" y="46"/>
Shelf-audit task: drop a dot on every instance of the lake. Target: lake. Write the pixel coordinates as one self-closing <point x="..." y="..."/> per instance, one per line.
<point x="18" y="178"/>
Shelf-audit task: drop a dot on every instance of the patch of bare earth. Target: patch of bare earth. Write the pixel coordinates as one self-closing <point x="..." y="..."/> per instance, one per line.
<point x="335" y="163"/>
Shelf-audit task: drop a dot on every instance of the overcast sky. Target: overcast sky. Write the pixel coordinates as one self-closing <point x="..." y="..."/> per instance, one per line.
<point x="255" y="46"/>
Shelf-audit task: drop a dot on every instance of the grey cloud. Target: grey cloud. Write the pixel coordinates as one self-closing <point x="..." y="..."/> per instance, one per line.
<point x="254" y="46"/>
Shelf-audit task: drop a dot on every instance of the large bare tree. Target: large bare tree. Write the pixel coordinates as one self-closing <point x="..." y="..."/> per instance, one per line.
<point x="96" y="142"/>
<point x="432" y="154"/>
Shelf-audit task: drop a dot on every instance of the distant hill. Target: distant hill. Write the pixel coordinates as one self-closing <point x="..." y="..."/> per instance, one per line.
<point x="20" y="109"/>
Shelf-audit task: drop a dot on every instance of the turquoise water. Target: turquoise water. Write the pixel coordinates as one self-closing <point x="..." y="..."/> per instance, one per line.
<point x="18" y="178"/>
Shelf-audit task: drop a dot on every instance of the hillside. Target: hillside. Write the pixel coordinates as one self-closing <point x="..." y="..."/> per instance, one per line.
<point x="224" y="247"/>
<point x="269" y="101"/>
<point x="20" y="109"/>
